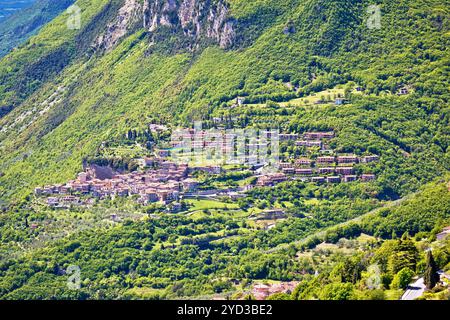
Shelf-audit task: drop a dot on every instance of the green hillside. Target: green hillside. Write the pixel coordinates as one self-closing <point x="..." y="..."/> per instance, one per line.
<point x="27" y="21"/>
<point x="64" y="92"/>
<point x="135" y="86"/>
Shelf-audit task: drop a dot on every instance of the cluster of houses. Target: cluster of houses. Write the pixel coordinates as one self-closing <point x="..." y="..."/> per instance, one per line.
<point x="198" y="138"/>
<point x="329" y="169"/>
<point x="309" y="139"/>
<point x="250" y="147"/>
<point x="270" y="180"/>
<point x="67" y="201"/>
<point x="263" y="291"/>
<point x="326" y="165"/>
<point x="163" y="182"/>
<point x="231" y="143"/>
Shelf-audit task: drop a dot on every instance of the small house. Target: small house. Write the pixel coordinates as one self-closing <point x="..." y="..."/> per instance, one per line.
<point x="309" y="143"/>
<point x="304" y="172"/>
<point x="303" y="162"/>
<point x="326" y="170"/>
<point x="289" y="170"/>
<point x="403" y="91"/>
<point x="325" y="160"/>
<point x="367" y="177"/>
<point x="335" y="179"/>
<point x="345" y="170"/>
<point x="347" y="159"/>
<point x="350" y="178"/>
<point x="368" y="159"/>
<point x="288" y="136"/>
<point x="240" y="101"/>
<point x="190" y="185"/>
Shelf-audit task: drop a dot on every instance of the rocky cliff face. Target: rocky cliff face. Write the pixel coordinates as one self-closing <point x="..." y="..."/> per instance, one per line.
<point x="127" y="17"/>
<point x="195" y="19"/>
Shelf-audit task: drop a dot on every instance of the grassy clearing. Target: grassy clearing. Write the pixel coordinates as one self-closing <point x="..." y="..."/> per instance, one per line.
<point x="237" y="214"/>
<point x="314" y="98"/>
<point x="197" y="205"/>
<point x="312" y="201"/>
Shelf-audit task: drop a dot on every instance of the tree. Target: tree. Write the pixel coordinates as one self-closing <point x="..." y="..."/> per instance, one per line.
<point x="402" y="278"/>
<point x="279" y="296"/>
<point x="337" y="291"/>
<point x="431" y="277"/>
<point x="405" y="255"/>
<point x="349" y="270"/>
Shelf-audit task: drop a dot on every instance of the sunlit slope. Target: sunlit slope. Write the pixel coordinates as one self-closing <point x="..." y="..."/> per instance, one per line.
<point x="64" y="110"/>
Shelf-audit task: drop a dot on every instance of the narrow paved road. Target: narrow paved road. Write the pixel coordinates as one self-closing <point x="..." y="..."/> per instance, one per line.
<point x="414" y="290"/>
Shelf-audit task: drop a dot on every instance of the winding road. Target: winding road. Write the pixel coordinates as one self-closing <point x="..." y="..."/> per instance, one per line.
<point x="415" y="290"/>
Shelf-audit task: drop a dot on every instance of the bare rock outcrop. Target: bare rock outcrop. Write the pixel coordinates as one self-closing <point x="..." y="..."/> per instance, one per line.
<point x="195" y="19"/>
<point x="128" y="16"/>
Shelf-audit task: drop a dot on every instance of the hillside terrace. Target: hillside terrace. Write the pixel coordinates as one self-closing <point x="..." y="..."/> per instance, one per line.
<point x="227" y="142"/>
<point x="328" y="165"/>
<point x="330" y="161"/>
<point x="330" y="168"/>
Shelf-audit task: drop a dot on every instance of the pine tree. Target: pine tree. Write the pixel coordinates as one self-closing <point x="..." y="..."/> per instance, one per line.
<point x="405" y="255"/>
<point x="431" y="277"/>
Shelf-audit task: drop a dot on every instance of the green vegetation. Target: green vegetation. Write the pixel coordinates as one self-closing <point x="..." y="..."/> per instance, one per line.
<point x="135" y="258"/>
<point x="26" y="22"/>
<point x="431" y="277"/>
<point x="63" y="102"/>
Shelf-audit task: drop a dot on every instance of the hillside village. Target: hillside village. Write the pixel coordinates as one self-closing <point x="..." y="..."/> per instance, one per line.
<point x="330" y="168"/>
<point x="162" y="180"/>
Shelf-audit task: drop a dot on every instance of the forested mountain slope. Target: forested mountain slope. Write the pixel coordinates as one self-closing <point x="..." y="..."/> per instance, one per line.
<point x="26" y="22"/>
<point x="8" y="8"/>
<point x="68" y="93"/>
